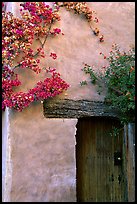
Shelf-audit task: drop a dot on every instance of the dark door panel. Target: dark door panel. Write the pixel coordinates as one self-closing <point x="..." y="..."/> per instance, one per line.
<point x="100" y="175"/>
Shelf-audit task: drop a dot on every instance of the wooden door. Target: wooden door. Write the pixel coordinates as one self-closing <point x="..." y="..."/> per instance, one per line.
<point x="99" y="162"/>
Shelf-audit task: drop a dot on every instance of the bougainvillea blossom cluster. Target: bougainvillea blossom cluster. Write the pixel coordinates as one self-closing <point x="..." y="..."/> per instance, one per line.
<point x="83" y="9"/>
<point x="50" y="87"/>
<point x="18" y="35"/>
<point x="9" y="80"/>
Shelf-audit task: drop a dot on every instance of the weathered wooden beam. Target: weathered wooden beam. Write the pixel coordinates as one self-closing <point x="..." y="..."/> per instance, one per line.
<point x="67" y="108"/>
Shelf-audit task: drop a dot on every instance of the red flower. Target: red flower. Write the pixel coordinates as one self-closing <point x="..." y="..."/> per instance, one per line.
<point x="53" y="55"/>
<point x="20" y="32"/>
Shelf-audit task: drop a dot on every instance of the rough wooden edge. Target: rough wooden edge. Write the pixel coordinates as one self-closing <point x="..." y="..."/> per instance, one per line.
<point x="67" y="108"/>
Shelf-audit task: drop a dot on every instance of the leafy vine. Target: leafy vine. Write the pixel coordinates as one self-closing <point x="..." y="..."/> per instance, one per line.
<point x="119" y="79"/>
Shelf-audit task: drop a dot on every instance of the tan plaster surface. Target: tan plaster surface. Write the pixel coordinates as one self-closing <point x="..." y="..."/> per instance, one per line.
<point x="43" y="150"/>
<point x="79" y="45"/>
<point x="43" y="157"/>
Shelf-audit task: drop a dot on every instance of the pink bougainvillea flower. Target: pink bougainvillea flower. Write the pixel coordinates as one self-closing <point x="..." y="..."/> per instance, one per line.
<point x="53" y="55"/>
<point x="20" y="32"/>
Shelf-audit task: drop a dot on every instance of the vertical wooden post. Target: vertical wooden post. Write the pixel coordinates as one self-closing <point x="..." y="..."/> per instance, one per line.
<point x="129" y="151"/>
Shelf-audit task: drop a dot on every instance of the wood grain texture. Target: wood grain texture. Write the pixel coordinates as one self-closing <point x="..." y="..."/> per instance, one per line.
<point x="67" y="108"/>
<point x="99" y="179"/>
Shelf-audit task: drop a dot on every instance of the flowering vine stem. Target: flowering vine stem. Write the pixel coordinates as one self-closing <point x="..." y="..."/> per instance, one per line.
<point x="18" y="34"/>
<point x="37" y="19"/>
<point x="82" y="8"/>
<point x="42" y="44"/>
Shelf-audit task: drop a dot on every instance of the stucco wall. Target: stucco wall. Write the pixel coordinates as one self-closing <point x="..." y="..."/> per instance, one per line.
<point x="43" y="157"/>
<point x="42" y="149"/>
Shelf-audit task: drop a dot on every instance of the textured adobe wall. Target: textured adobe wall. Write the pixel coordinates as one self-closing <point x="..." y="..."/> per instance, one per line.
<point x="79" y="44"/>
<point x="43" y="150"/>
<point x="43" y="158"/>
